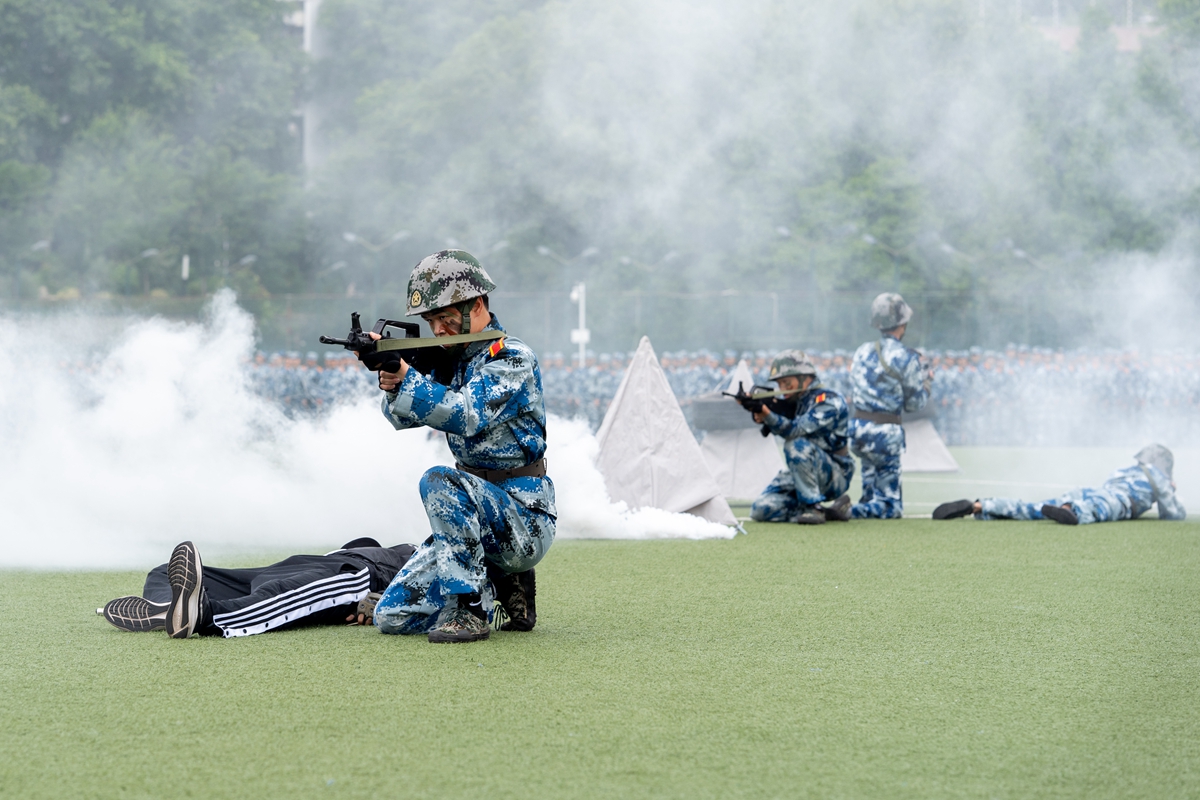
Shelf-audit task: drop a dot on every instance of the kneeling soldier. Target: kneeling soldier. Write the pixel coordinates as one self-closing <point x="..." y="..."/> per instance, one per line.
<point x="819" y="466"/>
<point x="492" y="514"/>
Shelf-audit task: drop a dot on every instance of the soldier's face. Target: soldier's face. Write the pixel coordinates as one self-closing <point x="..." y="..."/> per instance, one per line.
<point x="444" y="321"/>
<point x="789" y="383"/>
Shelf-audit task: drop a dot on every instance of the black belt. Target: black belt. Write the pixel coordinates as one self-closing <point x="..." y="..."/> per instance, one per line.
<point x="877" y="417"/>
<point x="535" y="470"/>
<point x="845" y="451"/>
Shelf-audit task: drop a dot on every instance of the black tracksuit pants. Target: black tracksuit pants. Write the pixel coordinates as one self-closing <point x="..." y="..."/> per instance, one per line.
<point x="297" y="590"/>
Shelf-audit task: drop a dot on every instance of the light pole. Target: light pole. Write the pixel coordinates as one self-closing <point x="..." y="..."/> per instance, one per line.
<point x="581" y="335"/>
<point x="376" y="250"/>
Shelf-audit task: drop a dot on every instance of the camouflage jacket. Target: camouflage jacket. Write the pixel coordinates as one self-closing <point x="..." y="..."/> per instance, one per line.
<point x="1141" y="486"/>
<point x="492" y="412"/>
<point x="821" y="416"/>
<point x="897" y="385"/>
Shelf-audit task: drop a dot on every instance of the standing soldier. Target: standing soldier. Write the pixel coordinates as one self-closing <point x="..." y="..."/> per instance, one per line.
<point x="819" y="466"/>
<point x="886" y="378"/>
<point x="492" y="514"/>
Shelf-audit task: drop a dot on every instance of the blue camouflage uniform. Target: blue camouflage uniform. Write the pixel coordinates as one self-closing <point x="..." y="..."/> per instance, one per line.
<point x="494" y="418"/>
<point x="1127" y="494"/>
<point x="819" y="466"/>
<point x="895" y="385"/>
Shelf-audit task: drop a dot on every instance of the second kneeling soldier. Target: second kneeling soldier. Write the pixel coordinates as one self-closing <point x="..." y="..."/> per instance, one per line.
<point x="819" y="466"/>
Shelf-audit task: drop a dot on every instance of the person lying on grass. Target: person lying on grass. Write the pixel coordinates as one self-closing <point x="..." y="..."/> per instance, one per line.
<point x="183" y="597"/>
<point x="1127" y="494"/>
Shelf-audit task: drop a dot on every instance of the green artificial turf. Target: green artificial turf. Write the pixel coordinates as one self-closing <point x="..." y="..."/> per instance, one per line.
<point x="870" y="659"/>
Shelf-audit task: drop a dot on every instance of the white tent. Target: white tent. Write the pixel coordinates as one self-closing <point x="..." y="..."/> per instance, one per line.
<point x="648" y="455"/>
<point x="741" y="459"/>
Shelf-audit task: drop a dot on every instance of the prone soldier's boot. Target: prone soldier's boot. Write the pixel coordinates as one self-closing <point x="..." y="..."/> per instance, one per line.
<point x="1063" y="515"/>
<point x="516" y="592"/>
<point x="954" y="509"/>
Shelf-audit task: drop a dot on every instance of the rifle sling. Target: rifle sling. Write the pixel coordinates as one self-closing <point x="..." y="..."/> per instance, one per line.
<point x="384" y="345"/>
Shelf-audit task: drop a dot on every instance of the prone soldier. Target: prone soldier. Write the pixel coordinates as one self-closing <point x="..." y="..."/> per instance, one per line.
<point x="1127" y="494"/>
<point x="886" y="378"/>
<point x="819" y="466"/>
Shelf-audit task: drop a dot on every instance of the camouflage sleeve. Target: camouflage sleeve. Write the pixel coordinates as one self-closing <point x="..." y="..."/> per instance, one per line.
<point x="399" y="421"/>
<point x="916" y="387"/>
<point x="495" y="393"/>
<point x="1169" y="506"/>
<point x="818" y="418"/>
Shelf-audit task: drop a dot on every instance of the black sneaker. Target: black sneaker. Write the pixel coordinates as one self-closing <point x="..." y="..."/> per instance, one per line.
<point x="954" y="509"/>
<point x="1060" y="514"/>
<point x="136" y="614"/>
<point x="461" y="625"/>
<point x="516" y="593"/>
<point x="185" y="573"/>
<point x="839" y="510"/>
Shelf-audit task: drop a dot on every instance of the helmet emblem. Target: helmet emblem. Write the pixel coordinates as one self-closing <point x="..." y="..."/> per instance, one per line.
<point x="415" y="300"/>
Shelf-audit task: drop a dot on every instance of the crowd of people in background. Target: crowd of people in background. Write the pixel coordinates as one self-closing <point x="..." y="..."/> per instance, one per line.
<point x="1021" y="396"/>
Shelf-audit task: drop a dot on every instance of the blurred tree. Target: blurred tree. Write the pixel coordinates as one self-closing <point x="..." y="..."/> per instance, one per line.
<point x="135" y="125"/>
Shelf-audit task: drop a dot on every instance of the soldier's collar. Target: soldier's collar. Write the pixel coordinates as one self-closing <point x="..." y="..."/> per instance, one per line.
<point x="474" y="348"/>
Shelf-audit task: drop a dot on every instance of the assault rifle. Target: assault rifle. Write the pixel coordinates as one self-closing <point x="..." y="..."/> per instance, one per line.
<point x="785" y="404"/>
<point x="430" y="356"/>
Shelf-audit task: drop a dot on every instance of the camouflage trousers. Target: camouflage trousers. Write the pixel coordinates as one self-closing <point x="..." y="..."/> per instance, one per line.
<point x="473" y="521"/>
<point x="1090" y="505"/>
<point x="879" y="446"/>
<point x="812" y="476"/>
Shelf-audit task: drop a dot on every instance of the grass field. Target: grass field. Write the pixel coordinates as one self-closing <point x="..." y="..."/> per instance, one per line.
<point x="873" y="659"/>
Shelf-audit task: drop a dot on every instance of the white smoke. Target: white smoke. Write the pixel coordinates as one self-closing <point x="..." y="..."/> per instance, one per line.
<point x="157" y="437"/>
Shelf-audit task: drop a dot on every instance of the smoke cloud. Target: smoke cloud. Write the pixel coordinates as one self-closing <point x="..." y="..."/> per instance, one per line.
<point x="154" y="437"/>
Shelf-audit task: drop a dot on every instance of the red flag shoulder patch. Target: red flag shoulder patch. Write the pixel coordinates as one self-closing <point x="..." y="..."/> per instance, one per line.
<point x="820" y="398"/>
<point x="495" y="348"/>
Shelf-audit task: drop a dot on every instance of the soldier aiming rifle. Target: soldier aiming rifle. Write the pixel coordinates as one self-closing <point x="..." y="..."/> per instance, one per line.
<point x="812" y="421"/>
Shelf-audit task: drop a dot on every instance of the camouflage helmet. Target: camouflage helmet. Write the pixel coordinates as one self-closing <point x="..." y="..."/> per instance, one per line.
<point x="1156" y="455"/>
<point x="791" y="362"/>
<point x="888" y="311"/>
<point x="446" y="278"/>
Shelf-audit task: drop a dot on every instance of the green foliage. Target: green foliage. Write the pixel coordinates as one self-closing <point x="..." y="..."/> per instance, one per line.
<point x="654" y="147"/>
<point x="148" y="126"/>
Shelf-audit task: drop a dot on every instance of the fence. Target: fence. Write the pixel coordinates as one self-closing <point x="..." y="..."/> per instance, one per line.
<point x="717" y="320"/>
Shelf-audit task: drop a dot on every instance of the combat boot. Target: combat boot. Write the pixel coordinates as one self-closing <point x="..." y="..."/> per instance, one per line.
<point x="839" y="510"/>
<point x="1063" y="515"/>
<point x="516" y="592"/>
<point x="466" y="623"/>
<point x="954" y="509"/>
<point x="810" y="516"/>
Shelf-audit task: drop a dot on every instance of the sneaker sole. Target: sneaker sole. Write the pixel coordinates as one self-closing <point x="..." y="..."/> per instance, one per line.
<point x="185" y="573"/>
<point x="954" y="509"/>
<point x="136" y="614"/>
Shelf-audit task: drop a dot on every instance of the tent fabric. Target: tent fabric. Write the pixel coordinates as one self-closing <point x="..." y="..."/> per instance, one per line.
<point x="648" y="455"/>
<point x="924" y="450"/>
<point x="742" y="461"/>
